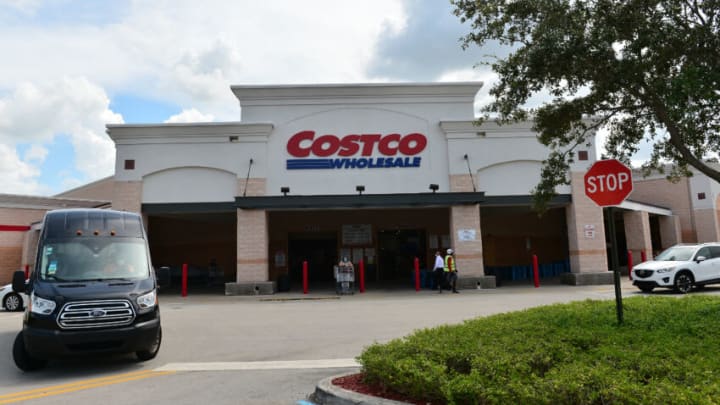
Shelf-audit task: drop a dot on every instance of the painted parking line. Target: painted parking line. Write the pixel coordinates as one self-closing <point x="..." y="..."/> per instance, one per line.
<point x="260" y="365"/>
<point x="79" y="385"/>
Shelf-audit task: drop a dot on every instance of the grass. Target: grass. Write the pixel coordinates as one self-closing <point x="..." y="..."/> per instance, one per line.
<point x="667" y="351"/>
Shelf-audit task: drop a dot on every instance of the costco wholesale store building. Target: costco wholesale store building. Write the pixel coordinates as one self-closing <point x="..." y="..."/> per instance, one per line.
<point x="379" y="172"/>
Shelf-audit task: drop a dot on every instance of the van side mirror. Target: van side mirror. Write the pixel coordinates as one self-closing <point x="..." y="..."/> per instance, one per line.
<point x="700" y="259"/>
<point x="18" y="281"/>
<point x="162" y="276"/>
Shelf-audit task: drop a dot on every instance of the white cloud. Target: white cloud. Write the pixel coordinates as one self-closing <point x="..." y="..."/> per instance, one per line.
<point x="36" y="153"/>
<point x="35" y="113"/>
<point x="191" y="115"/>
<point x="17" y="176"/>
<point x="189" y="53"/>
<point x="23" y="6"/>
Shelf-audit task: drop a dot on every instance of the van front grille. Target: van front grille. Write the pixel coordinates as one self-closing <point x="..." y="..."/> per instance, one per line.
<point x="96" y="314"/>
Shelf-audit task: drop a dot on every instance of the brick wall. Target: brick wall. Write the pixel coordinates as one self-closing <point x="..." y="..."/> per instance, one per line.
<point x="127" y="196"/>
<point x="11" y="242"/>
<point x="255" y="187"/>
<point x="675" y="196"/>
<point x="461" y="183"/>
<point x="587" y="254"/>
<point x="670" y="231"/>
<point x="252" y="246"/>
<point x="637" y="233"/>
<point x="706" y="223"/>
<point x="100" y="190"/>
<point x="468" y="253"/>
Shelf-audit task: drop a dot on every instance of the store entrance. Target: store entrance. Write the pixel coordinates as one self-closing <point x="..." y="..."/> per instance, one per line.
<point x="397" y="250"/>
<point x="320" y="251"/>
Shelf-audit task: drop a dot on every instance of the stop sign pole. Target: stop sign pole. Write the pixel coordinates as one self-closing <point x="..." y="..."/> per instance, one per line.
<point x="608" y="183"/>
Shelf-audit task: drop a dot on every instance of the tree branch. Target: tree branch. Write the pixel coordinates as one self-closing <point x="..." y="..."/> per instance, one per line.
<point x="676" y="136"/>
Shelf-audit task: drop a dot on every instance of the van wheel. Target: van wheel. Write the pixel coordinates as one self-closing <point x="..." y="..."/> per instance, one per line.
<point x="683" y="282"/>
<point x="13" y="302"/>
<point x="152" y="351"/>
<point x="24" y="360"/>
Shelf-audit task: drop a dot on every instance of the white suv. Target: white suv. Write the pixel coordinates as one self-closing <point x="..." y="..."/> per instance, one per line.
<point x="680" y="267"/>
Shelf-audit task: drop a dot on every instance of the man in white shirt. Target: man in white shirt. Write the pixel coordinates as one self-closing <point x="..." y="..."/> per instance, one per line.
<point x="439" y="272"/>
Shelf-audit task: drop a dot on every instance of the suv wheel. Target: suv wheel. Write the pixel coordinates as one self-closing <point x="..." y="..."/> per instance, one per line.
<point x="683" y="282"/>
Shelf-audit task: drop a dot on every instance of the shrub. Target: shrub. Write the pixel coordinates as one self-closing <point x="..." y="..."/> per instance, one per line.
<point x="667" y="351"/>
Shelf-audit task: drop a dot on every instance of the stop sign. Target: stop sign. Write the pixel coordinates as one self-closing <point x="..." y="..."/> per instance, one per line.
<point x="608" y="182"/>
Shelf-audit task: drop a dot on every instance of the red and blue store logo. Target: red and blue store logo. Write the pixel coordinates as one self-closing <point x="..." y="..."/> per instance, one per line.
<point x="354" y="151"/>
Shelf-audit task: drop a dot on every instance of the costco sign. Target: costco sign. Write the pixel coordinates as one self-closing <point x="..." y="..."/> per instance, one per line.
<point x="354" y="151"/>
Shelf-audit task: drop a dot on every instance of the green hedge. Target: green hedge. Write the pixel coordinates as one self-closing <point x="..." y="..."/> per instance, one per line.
<point x="667" y="351"/>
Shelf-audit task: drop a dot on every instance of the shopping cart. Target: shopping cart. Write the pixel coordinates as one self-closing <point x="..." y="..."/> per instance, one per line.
<point x="344" y="280"/>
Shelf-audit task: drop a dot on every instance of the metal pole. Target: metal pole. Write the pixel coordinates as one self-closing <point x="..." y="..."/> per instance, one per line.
<point x="614" y="265"/>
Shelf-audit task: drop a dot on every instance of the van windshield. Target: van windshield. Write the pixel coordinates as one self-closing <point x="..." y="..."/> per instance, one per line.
<point x="676" y="254"/>
<point x="84" y="259"/>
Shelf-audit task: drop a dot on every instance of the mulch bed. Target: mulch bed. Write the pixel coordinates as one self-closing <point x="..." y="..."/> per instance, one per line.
<point x="355" y="383"/>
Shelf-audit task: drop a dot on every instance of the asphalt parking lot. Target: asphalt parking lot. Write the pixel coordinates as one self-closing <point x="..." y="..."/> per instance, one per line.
<point x="263" y="349"/>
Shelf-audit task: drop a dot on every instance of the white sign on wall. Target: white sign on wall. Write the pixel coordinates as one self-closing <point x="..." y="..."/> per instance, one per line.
<point x="356" y="234"/>
<point x="465" y="235"/>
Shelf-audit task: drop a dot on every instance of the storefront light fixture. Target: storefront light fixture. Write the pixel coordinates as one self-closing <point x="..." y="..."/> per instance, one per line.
<point x="360" y="189"/>
<point x="434" y="188"/>
<point x="285" y="190"/>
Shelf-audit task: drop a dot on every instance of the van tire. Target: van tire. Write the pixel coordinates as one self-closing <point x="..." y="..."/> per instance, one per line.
<point x="24" y="360"/>
<point x="152" y="351"/>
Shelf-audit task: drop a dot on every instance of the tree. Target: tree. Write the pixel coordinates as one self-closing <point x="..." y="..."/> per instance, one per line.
<point x="641" y="69"/>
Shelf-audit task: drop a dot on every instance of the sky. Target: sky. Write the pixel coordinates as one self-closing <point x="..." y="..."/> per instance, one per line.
<point x="72" y="67"/>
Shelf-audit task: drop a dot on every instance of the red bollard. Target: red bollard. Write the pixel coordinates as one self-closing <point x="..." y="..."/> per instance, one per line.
<point x="183" y="291"/>
<point x="643" y="257"/>
<point x="536" y="274"/>
<point x="27" y="271"/>
<point x="305" y="277"/>
<point x="417" y="274"/>
<point x="362" y="276"/>
<point x="630" y="264"/>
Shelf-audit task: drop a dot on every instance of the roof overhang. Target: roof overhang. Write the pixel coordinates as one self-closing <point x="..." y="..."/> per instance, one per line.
<point x="359" y="201"/>
<point x="652" y="209"/>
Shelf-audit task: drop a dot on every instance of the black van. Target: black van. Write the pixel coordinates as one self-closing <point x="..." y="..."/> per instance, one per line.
<point x="92" y="290"/>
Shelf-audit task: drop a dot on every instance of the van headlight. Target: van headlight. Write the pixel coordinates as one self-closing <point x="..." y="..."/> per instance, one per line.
<point x="148" y="300"/>
<point x="41" y="305"/>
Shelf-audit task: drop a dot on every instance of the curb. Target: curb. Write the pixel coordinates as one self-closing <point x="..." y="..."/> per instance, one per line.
<point x="328" y="394"/>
